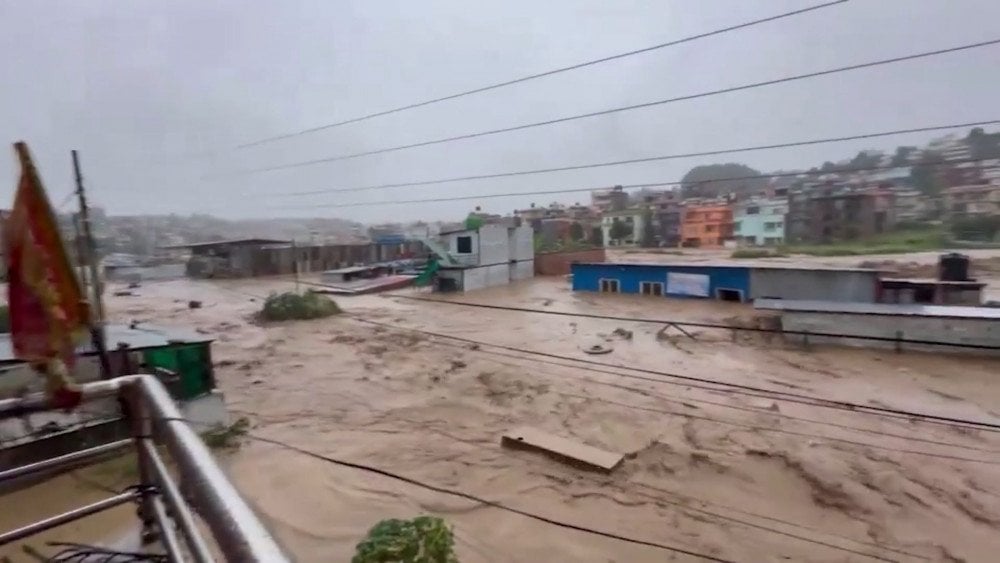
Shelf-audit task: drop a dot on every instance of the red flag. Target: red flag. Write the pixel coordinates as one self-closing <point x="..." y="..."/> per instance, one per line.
<point x="48" y="314"/>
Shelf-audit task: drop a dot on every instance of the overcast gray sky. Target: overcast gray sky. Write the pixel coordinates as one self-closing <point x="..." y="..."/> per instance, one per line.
<point x="143" y="88"/>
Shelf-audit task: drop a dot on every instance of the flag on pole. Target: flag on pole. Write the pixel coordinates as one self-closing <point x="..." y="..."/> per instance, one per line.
<point x="48" y="313"/>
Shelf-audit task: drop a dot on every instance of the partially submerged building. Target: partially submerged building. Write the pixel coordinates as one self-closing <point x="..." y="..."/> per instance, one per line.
<point x="250" y="257"/>
<point x="728" y="282"/>
<point x="491" y="255"/>
<point x="877" y="325"/>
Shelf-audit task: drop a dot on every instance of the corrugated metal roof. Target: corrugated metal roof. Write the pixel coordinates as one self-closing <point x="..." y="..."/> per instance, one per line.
<point x="809" y="306"/>
<point x="237" y="241"/>
<point x="733" y="264"/>
<point x="143" y="336"/>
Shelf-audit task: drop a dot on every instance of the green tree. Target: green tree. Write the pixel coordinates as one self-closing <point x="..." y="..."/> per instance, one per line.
<point x="902" y="156"/>
<point x="924" y="174"/>
<point x="576" y="231"/>
<point x="597" y="235"/>
<point x="619" y="230"/>
<point x="717" y="179"/>
<point x="425" y="539"/>
<point x="648" y="232"/>
<point x="473" y="222"/>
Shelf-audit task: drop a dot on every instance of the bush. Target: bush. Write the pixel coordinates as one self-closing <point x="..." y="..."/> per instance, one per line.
<point x="984" y="228"/>
<point x="293" y="306"/>
<point x="226" y="437"/>
<point x="425" y="539"/>
<point x="756" y="253"/>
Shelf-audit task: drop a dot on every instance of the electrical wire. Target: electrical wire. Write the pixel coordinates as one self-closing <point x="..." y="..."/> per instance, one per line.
<point x="701" y="324"/>
<point x="692" y="381"/>
<point x="538" y="75"/>
<point x="593" y="188"/>
<point x="486" y="502"/>
<point x="688" y="401"/>
<point x="752" y="426"/>
<point x="609" y="111"/>
<point x="645" y="159"/>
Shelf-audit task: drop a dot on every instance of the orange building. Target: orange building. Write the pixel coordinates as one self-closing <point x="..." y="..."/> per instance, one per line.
<point x="706" y="225"/>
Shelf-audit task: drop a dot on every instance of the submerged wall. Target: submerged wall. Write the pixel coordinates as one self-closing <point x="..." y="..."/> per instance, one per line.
<point x="984" y="332"/>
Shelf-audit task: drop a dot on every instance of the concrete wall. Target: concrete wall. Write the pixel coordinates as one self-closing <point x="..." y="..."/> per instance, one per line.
<point x="953" y="330"/>
<point x="820" y="285"/>
<point x="522" y="270"/>
<point x="522" y="243"/>
<point x="470" y="259"/>
<point x="493" y="245"/>
<point x="486" y="276"/>
<point x="558" y="263"/>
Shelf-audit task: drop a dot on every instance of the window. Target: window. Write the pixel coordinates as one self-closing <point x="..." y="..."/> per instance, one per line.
<point x="776" y="211"/>
<point x="609" y="286"/>
<point x="651" y="288"/>
<point x="463" y="245"/>
<point x="726" y="294"/>
<point x="753" y="210"/>
<point x="736" y="226"/>
<point x="709" y="228"/>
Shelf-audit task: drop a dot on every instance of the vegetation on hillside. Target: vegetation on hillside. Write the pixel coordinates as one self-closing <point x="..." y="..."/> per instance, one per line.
<point x="295" y="306"/>
<point x="424" y="539"/>
<point x="713" y="180"/>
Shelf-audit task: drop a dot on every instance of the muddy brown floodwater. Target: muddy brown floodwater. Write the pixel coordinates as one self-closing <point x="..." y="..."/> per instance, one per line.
<point x="732" y="475"/>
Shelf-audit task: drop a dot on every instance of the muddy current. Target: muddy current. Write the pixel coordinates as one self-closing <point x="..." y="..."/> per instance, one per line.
<point x="737" y="476"/>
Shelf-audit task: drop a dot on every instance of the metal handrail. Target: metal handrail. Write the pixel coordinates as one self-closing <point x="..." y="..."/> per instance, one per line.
<point x="155" y="418"/>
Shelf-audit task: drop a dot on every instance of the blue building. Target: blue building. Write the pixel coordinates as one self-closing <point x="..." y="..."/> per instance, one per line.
<point x="728" y="282"/>
<point x="722" y="282"/>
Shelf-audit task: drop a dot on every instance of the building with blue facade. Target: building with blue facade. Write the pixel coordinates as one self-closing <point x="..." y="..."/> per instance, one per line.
<point x="728" y="282"/>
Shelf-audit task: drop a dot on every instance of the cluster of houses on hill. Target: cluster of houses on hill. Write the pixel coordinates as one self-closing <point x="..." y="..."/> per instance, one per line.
<point x="812" y="208"/>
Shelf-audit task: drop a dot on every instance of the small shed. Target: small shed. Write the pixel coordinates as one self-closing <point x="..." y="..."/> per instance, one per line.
<point x="184" y="353"/>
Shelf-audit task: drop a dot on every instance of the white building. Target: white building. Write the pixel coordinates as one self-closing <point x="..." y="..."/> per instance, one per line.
<point x="634" y="222"/>
<point x="489" y="256"/>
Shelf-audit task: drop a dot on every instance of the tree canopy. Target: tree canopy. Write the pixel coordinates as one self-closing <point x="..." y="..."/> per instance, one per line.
<point x="713" y="180"/>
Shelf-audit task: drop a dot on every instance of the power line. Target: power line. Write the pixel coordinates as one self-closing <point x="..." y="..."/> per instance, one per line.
<point x="753" y="427"/>
<point x="680" y="401"/>
<point x="537" y="75"/>
<point x="639" y="160"/>
<point x="622" y="108"/>
<point x="702" y="324"/>
<point x="592" y="188"/>
<point x="486" y="502"/>
<point x="737" y="388"/>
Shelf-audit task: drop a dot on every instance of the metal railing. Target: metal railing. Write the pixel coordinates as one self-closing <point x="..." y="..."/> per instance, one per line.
<point x="167" y="515"/>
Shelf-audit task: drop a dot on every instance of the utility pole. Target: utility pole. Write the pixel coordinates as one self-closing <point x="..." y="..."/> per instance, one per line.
<point x="90" y="255"/>
<point x="295" y="264"/>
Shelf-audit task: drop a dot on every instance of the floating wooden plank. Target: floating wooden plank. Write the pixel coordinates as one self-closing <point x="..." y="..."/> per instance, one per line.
<point x="574" y="453"/>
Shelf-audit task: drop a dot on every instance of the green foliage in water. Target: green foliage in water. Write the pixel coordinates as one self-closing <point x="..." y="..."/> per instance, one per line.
<point x="293" y="306"/>
<point x="425" y="539"/>
<point x="226" y="437"/>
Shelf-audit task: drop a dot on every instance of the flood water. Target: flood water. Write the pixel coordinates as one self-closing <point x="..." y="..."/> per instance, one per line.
<point x="732" y="475"/>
